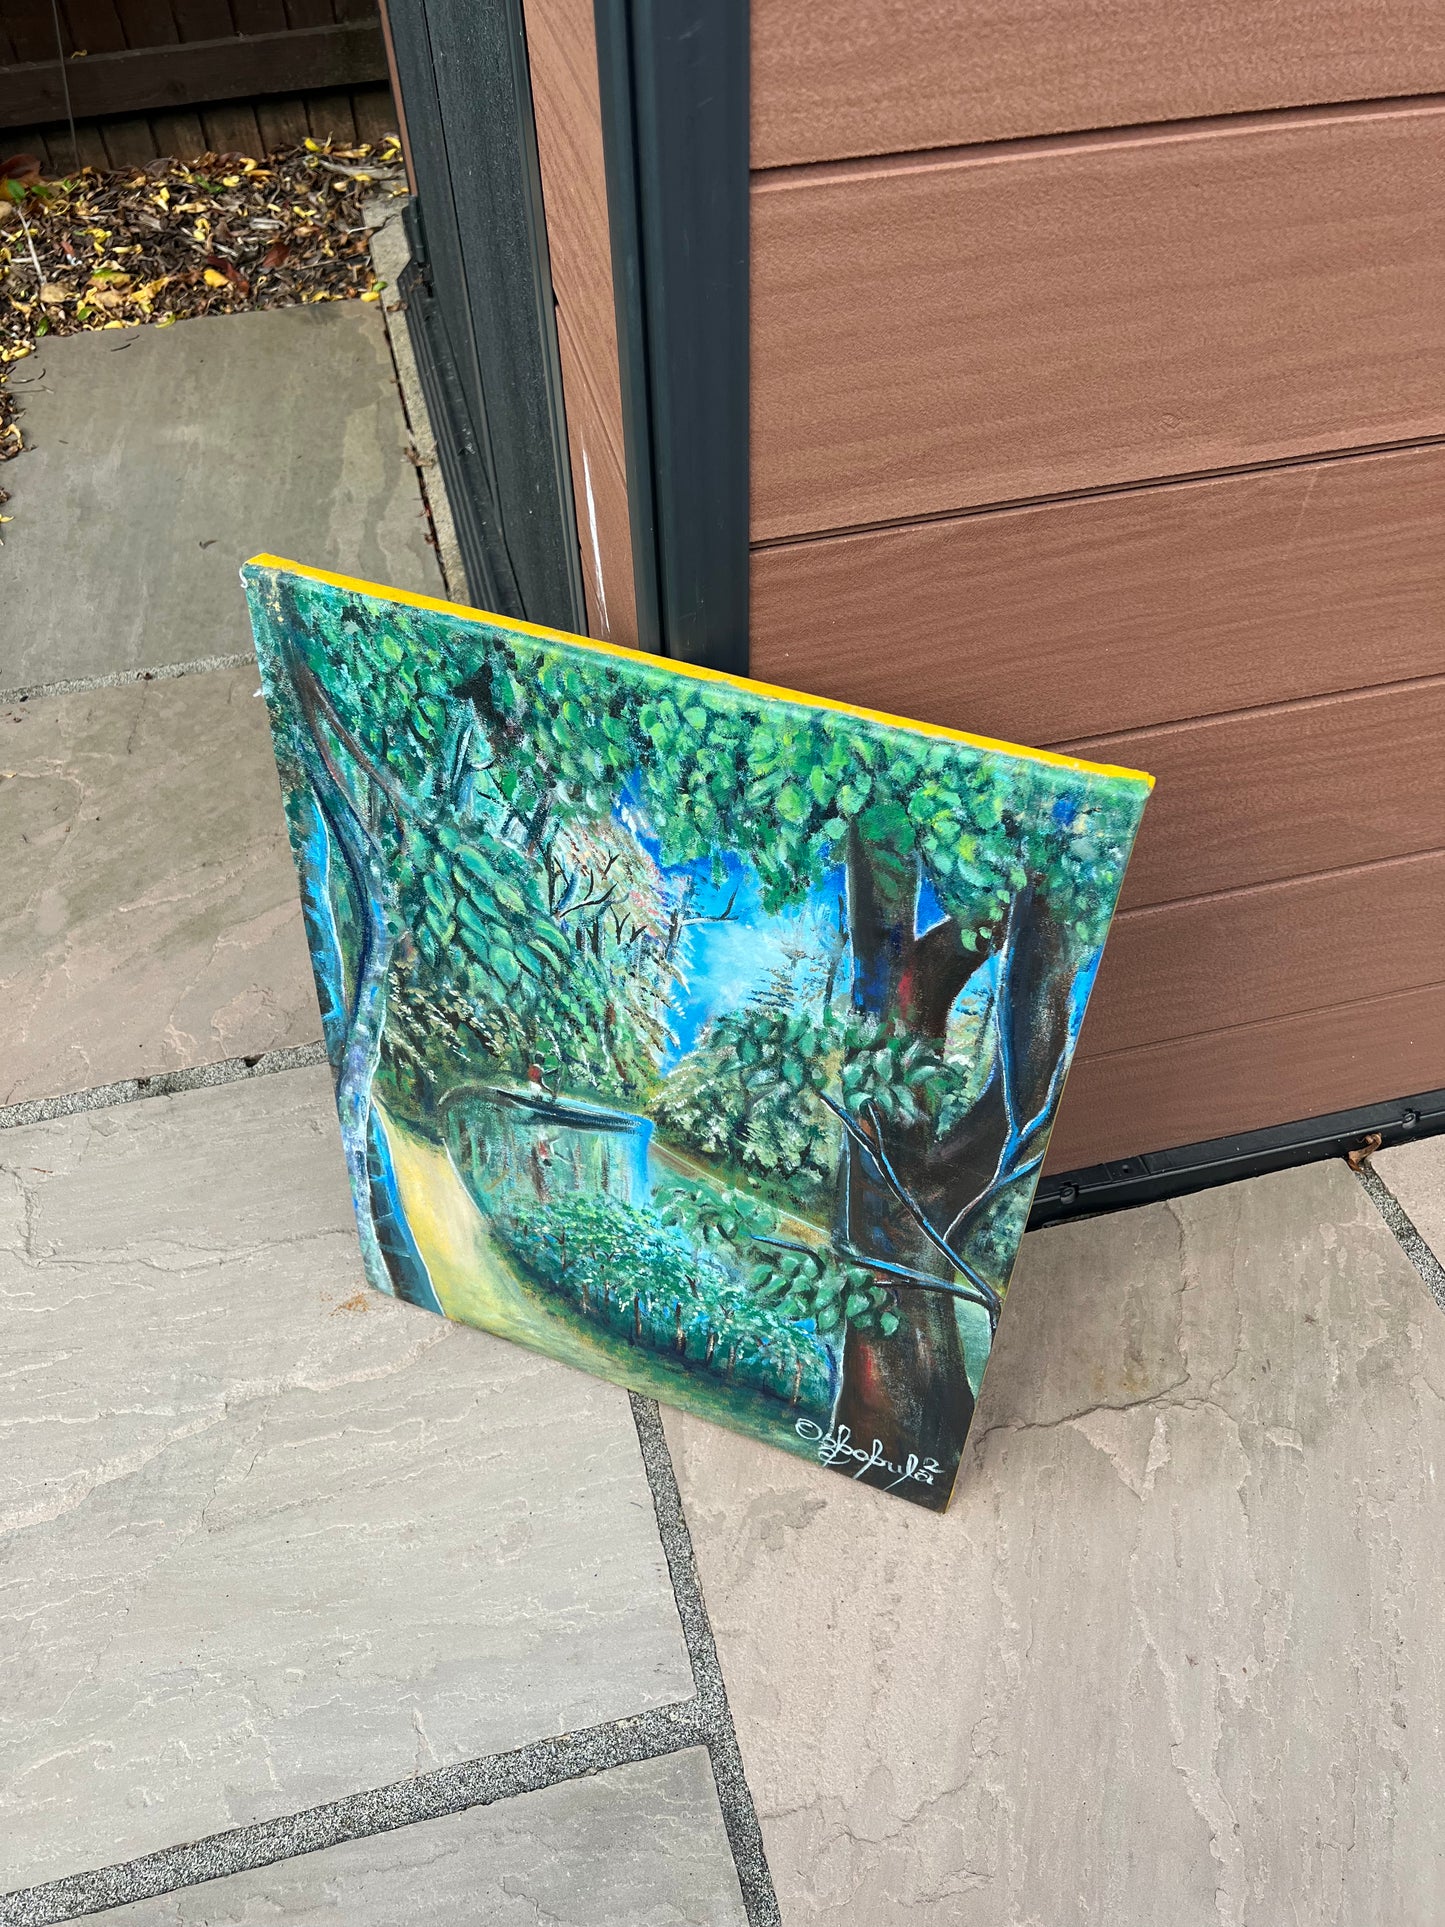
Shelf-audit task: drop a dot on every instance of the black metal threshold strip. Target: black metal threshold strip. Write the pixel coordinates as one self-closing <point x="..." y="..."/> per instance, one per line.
<point x="1227" y="1160"/>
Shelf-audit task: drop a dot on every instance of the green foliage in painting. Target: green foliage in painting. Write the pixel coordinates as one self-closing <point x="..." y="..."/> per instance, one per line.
<point x="626" y="1266"/>
<point x="751" y="1092"/>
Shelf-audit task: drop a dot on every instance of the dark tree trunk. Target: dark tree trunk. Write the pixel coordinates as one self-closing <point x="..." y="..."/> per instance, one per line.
<point x="1042" y="986"/>
<point x="899" y="976"/>
<point x="910" y="1392"/>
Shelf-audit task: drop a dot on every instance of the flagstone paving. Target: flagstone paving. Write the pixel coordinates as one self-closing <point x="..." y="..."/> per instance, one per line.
<point x="161" y="458"/>
<point x="1415" y="1174"/>
<point x="1173" y="1655"/>
<point x="639" y="1846"/>
<point x="150" y="919"/>
<point x="270" y="1538"/>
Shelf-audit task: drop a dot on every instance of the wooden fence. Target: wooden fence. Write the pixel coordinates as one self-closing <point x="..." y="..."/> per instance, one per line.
<point x="143" y="78"/>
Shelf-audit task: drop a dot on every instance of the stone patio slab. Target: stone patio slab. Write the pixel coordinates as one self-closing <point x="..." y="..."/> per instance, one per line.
<point x="150" y="919"/>
<point x="639" y="1846"/>
<point x="270" y="1538"/>
<point x="1415" y="1173"/>
<point x="162" y="457"/>
<point x="1173" y="1654"/>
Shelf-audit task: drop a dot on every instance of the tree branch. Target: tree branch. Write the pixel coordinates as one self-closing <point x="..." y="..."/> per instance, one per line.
<point x="313" y="699"/>
<point x="568" y="909"/>
<point x="1007" y="1170"/>
<point x="879" y="1158"/>
<point x="919" y="1280"/>
<point x="724" y="916"/>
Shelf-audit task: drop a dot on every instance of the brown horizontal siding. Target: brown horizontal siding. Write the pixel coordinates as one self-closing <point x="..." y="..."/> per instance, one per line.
<point x="562" y="50"/>
<point x="833" y="78"/>
<point x="1279" y="793"/>
<point x="599" y="489"/>
<point x="1052" y="623"/>
<point x="1187" y="968"/>
<point x="982" y="380"/>
<point x="1001" y="324"/>
<point x="1363" y="1051"/>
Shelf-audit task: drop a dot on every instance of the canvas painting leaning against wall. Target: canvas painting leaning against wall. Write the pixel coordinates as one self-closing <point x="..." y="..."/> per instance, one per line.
<point x="702" y="1035"/>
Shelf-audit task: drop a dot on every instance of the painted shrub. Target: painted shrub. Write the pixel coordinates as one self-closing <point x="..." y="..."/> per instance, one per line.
<point x="703" y="1035"/>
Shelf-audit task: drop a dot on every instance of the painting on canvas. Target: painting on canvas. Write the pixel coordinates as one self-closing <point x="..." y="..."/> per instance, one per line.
<point x="702" y="1035"/>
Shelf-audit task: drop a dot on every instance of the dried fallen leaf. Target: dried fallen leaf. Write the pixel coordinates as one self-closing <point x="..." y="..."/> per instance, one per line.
<point x="272" y="234"/>
<point x="1361" y="1155"/>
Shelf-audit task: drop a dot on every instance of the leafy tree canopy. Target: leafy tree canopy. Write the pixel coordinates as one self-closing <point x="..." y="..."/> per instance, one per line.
<point x="716" y="768"/>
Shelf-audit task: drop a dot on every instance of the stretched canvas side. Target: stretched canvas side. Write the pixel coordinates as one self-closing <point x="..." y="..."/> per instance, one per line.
<point x="703" y="1035"/>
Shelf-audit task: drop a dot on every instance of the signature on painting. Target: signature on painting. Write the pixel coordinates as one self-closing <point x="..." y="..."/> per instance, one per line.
<point x="837" y="1448"/>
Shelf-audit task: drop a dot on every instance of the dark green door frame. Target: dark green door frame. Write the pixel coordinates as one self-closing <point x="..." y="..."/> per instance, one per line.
<point x="479" y="304"/>
<point x="674" y="87"/>
<point x="675" y="98"/>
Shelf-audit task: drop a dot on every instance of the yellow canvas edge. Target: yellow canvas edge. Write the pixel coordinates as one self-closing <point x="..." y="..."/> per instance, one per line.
<point x="745" y="683"/>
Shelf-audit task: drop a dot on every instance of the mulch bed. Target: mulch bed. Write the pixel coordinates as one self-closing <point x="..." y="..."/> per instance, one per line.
<point x="176" y="239"/>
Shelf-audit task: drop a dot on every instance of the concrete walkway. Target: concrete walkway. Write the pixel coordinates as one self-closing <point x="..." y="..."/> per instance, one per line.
<point x="315" y="1608"/>
<point x="195" y="446"/>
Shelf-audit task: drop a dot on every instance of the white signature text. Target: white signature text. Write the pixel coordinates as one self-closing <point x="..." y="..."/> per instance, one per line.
<point x="837" y="1448"/>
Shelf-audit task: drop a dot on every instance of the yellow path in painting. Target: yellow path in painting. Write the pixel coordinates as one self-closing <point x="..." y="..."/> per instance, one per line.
<point x="475" y="1283"/>
<point x="478" y="1286"/>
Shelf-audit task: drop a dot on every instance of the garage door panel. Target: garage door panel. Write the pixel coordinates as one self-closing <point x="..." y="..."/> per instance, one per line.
<point x="1274" y="794"/>
<point x="838" y="77"/>
<point x="998" y="325"/>
<point x="1188" y="968"/>
<point x="1051" y="623"/>
<point x="1250" y="1076"/>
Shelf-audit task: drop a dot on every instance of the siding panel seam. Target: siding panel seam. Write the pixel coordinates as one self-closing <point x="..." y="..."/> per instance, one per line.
<point x="1024" y="147"/>
<point x="1257" y="1023"/>
<point x="1140" y="485"/>
<point x="1432" y="855"/>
